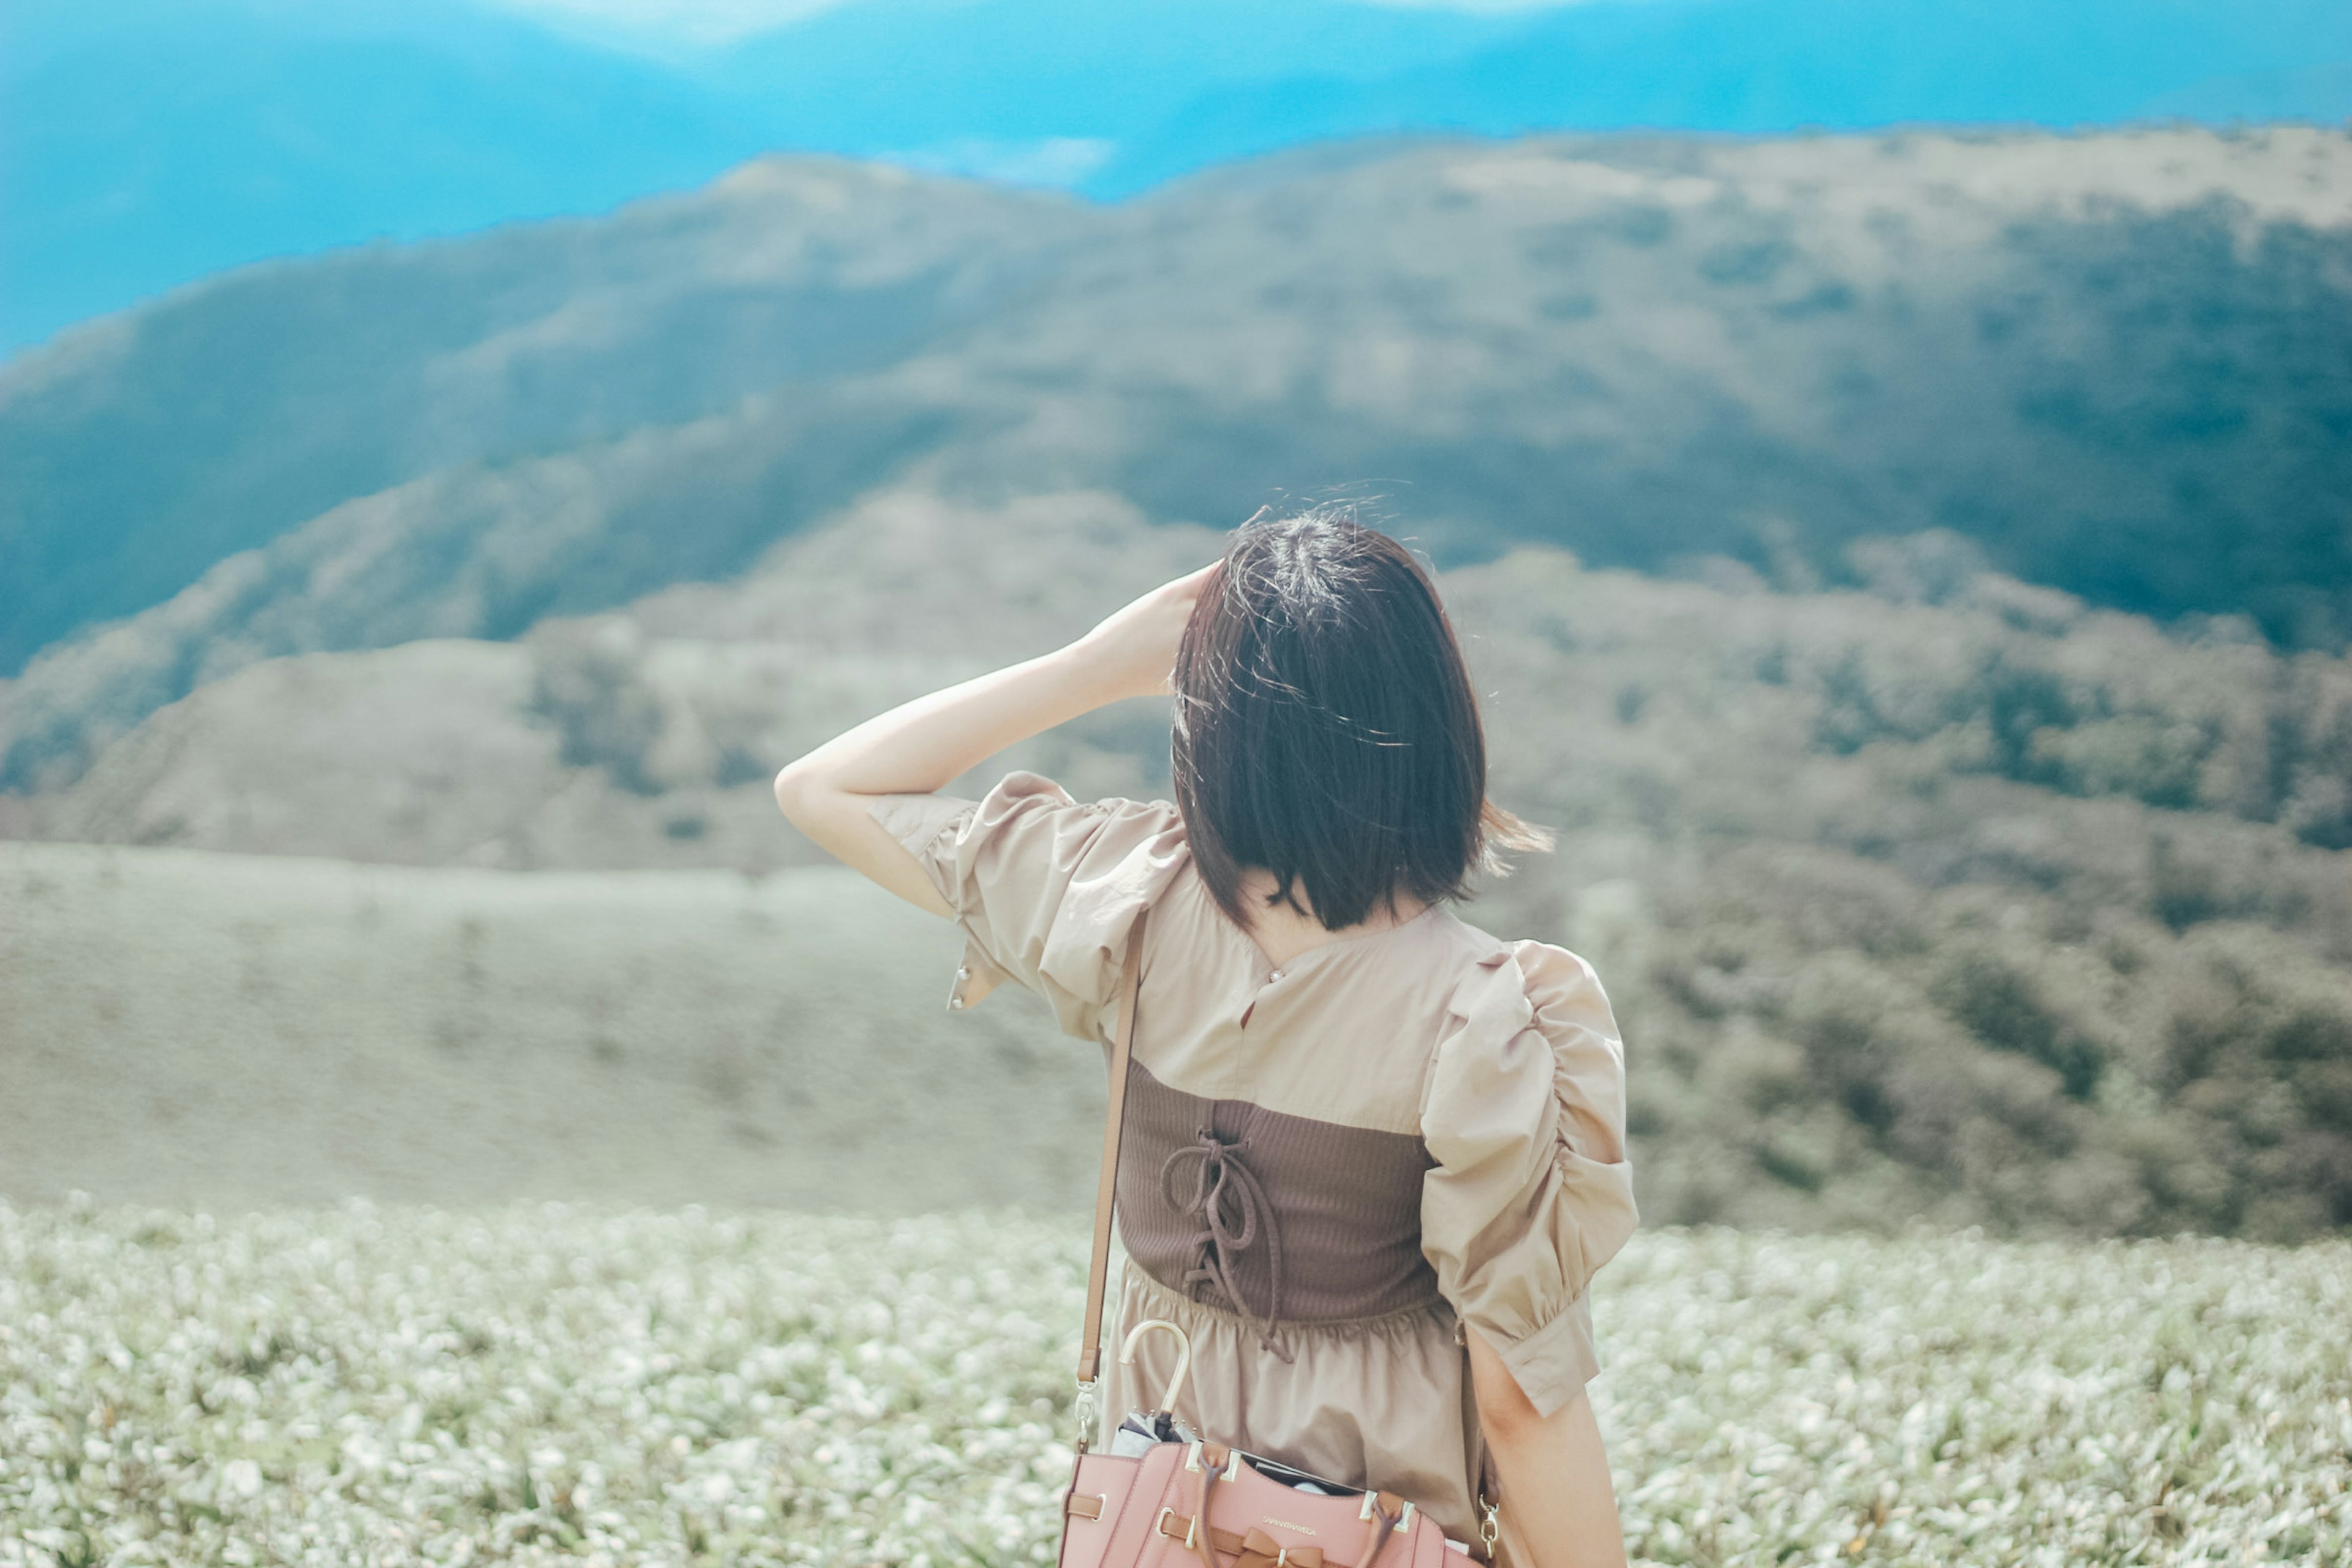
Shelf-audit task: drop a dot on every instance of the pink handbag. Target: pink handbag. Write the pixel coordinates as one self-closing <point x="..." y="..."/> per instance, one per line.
<point x="1204" y="1502"/>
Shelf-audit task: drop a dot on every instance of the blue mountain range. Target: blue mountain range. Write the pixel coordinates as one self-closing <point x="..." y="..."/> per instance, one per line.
<point x="144" y="143"/>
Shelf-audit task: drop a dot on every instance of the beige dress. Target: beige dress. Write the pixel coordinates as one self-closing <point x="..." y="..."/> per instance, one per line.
<point x="1329" y="1165"/>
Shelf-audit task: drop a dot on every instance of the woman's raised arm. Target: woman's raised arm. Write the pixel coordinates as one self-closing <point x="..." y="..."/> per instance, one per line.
<point x="919" y="746"/>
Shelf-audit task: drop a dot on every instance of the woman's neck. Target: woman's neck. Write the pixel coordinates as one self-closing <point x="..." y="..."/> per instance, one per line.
<point x="1282" y="933"/>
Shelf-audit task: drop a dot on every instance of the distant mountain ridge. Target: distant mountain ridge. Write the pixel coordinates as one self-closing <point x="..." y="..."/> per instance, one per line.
<point x="2121" y="364"/>
<point x="139" y="451"/>
<point x="151" y="142"/>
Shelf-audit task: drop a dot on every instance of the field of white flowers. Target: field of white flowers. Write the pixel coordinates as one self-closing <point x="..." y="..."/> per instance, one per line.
<point x="534" y="1384"/>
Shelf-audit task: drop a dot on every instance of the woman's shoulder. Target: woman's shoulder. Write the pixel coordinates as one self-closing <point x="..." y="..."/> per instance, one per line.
<point x="1519" y="981"/>
<point x="1507" y="995"/>
<point x="1021" y="787"/>
<point x="1048" y="888"/>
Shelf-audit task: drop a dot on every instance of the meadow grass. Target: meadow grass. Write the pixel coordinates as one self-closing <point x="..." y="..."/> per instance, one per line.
<point x="386" y="1385"/>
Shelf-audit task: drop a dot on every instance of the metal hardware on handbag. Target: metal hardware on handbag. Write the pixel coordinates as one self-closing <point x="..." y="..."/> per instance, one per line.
<point x="1154" y="1501"/>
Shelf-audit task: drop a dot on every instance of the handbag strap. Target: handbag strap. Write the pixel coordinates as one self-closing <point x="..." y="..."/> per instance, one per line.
<point x="1130" y="980"/>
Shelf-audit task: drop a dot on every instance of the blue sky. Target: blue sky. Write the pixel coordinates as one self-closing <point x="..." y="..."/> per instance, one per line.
<point x="144" y="143"/>
<point x="672" y="27"/>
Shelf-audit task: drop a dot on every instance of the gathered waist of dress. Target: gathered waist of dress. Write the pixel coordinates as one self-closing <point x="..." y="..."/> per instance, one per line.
<point x="1161" y="1298"/>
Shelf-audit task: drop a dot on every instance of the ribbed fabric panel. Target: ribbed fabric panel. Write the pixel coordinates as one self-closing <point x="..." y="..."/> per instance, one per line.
<point x="1343" y="1204"/>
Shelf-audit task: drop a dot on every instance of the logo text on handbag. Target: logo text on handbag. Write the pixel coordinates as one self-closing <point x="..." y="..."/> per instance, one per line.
<point x="1286" y="1524"/>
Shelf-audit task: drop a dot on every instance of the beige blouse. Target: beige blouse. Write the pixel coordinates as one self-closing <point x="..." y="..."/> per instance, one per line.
<point x="1330" y="1165"/>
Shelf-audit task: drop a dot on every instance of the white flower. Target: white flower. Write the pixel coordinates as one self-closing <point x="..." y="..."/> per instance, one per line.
<point x="242" y="1477"/>
<point x="428" y="1388"/>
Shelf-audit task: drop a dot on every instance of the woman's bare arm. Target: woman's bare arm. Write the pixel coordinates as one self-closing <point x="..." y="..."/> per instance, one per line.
<point x="920" y="746"/>
<point x="1554" y="1471"/>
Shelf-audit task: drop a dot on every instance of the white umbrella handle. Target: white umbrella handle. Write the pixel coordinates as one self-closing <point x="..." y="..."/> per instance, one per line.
<point x="1184" y="1358"/>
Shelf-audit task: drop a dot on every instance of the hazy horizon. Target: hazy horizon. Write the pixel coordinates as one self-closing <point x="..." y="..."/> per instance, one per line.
<point x="233" y="132"/>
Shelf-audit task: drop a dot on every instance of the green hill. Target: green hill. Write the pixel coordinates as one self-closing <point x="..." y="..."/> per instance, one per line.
<point x="2116" y="362"/>
<point x="138" y="451"/>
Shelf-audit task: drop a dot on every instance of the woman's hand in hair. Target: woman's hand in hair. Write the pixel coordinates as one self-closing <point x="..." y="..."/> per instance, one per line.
<point x="918" y="747"/>
<point x="1133" y="651"/>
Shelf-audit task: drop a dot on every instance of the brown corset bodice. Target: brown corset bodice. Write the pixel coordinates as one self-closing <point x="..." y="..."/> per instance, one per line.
<point x="1275" y="1217"/>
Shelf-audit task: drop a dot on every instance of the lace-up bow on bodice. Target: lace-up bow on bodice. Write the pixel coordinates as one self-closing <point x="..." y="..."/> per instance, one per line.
<point x="1231" y="1204"/>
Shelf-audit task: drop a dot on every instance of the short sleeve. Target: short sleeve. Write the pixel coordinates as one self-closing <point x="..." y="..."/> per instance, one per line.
<point x="1046" y="888"/>
<point x="1524" y="1114"/>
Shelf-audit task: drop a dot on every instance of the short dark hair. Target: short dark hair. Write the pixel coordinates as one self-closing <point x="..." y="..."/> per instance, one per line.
<point x="1327" y="729"/>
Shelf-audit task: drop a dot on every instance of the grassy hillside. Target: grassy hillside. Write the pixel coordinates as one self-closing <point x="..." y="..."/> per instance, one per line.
<point x="1950" y="896"/>
<point x="542" y="1384"/>
<point x="646" y="738"/>
<point x="2117" y="362"/>
<point x="227" y="1031"/>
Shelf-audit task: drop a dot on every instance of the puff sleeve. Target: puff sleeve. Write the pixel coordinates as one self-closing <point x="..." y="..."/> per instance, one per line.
<point x="1524" y="1114"/>
<point x="1045" y="888"/>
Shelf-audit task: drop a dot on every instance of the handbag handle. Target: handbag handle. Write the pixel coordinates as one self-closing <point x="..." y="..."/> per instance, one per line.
<point x="1130" y="977"/>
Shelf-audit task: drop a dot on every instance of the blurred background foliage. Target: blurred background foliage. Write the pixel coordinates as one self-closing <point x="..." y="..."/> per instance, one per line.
<point x="1911" y="570"/>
